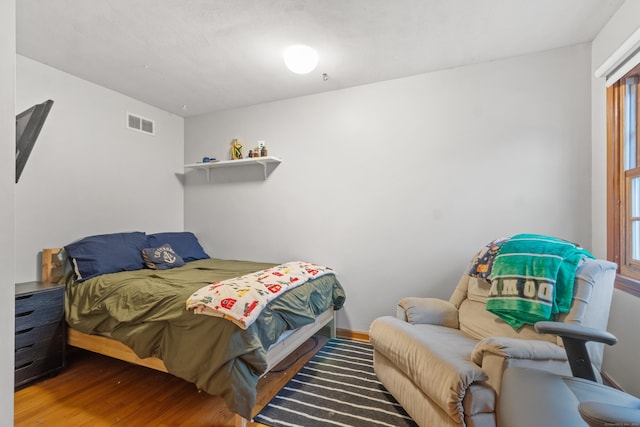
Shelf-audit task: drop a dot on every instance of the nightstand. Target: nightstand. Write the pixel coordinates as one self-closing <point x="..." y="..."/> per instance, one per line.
<point x="40" y="331"/>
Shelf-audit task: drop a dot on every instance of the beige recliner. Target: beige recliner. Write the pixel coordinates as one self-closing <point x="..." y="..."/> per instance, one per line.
<point x="444" y="360"/>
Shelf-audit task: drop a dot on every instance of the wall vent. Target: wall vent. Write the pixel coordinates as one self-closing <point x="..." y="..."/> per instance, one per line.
<point x="140" y="124"/>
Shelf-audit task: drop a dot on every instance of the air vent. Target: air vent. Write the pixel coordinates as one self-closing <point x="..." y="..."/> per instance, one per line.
<point x="140" y="124"/>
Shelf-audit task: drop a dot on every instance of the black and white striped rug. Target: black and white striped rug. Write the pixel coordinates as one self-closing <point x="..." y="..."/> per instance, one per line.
<point x="337" y="387"/>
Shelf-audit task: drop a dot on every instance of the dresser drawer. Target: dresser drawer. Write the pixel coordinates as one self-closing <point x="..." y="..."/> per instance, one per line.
<point x="29" y="370"/>
<point x="30" y="301"/>
<point x="31" y="336"/>
<point x="51" y="348"/>
<point x="38" y="309"/>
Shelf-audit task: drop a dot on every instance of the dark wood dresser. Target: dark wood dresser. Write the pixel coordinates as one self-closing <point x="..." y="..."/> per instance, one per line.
<point x="40" y="331"/>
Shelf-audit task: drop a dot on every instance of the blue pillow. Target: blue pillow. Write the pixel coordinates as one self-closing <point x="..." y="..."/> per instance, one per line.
<point x="184" y="243"/>
<point x="107" y="253"/>
<point x="161" y="258"/>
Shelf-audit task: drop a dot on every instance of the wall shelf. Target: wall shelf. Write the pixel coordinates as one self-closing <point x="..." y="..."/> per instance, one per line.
<point x="262" y="161"/>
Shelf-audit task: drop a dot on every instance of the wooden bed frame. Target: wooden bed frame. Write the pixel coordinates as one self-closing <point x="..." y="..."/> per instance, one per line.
<point x="53" y="271"/>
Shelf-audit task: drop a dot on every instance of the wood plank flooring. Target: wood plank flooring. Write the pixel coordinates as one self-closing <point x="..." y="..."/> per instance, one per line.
<point x="97" y="391"/>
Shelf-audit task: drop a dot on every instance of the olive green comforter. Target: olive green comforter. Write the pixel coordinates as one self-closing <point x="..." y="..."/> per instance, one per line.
<point x="145" y="309"/>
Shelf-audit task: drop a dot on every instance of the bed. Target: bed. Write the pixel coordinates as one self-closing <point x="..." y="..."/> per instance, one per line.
<point x="139" y="315"/>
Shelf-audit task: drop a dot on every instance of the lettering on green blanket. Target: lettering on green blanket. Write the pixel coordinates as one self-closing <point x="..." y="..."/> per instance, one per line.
<point x="522" y="288"/>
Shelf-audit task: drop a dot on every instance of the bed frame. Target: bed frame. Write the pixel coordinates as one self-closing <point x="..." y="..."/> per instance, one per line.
<point x="53" y="271"/>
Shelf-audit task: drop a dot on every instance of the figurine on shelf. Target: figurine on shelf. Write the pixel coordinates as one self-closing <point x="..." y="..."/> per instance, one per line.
<point x="236" y="149"/>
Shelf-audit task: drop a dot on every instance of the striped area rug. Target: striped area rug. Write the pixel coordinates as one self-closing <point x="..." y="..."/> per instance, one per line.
<point x="337" y="387"/>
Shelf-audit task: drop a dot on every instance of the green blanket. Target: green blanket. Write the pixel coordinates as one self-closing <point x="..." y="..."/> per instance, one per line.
<point x="145" y="309"/>
<point x="532" y="278"/>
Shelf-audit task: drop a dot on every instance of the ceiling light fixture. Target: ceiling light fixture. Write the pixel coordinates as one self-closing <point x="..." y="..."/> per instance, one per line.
<point x="300" y="59"/>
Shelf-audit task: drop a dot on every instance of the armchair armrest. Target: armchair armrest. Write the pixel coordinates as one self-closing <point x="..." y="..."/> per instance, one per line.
<point x="430" y="311"/>
<point x="574" y="337"/>
<point x="495" y="354"/>
<point x="514" y="348"/>
<point x="572" y="330"/>
<point x="607" y="414"/>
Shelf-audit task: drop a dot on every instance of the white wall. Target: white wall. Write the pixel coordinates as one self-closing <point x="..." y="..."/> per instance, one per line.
<point x="397" y="184"/>
<point x="7" y="177"/>
<point x="87" y="173"/>
<point x="620" y="361"/>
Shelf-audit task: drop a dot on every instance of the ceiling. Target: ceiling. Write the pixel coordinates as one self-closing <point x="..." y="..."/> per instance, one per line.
<point x="191" y="57"/>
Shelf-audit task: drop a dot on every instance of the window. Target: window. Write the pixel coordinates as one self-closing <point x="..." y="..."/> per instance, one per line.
<point x="624" y="179"/>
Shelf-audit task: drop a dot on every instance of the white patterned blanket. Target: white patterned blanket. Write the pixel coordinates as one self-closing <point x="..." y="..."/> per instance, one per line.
<point x="242" y="299"/>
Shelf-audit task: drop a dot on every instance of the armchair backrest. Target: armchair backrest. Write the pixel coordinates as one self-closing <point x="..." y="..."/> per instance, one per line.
<point x="592" y="292"/>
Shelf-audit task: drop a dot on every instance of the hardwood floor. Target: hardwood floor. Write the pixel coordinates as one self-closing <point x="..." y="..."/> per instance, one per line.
<point x="96" y="391"/>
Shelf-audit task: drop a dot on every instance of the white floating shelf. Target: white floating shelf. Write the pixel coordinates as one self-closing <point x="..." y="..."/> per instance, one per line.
<point x="263" y="161"/>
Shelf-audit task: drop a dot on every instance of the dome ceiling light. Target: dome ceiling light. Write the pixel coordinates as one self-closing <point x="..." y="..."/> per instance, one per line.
<point x="300" y="59"/>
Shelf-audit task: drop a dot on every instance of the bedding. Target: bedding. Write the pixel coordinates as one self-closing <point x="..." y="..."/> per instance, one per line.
<point x="242" y="299"/>
<point x="145" y="309"/>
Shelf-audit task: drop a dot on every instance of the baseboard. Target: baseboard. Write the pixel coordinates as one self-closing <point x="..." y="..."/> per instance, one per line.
<point x="352" y="335"/>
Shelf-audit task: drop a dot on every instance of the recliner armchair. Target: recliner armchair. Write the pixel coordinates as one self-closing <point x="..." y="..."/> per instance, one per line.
<point x="444" y="360"/>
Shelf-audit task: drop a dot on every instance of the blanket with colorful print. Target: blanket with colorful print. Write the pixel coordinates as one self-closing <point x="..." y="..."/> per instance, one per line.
<point x="243" y="298"/>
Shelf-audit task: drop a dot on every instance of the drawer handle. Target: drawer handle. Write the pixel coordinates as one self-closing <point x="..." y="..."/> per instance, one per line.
<point x="24" y="331"/>
<point x="24" y="365"/>
<point x="26" y="347"/>
<point x="26" y="313"/>
<point x="21" y="297"/>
